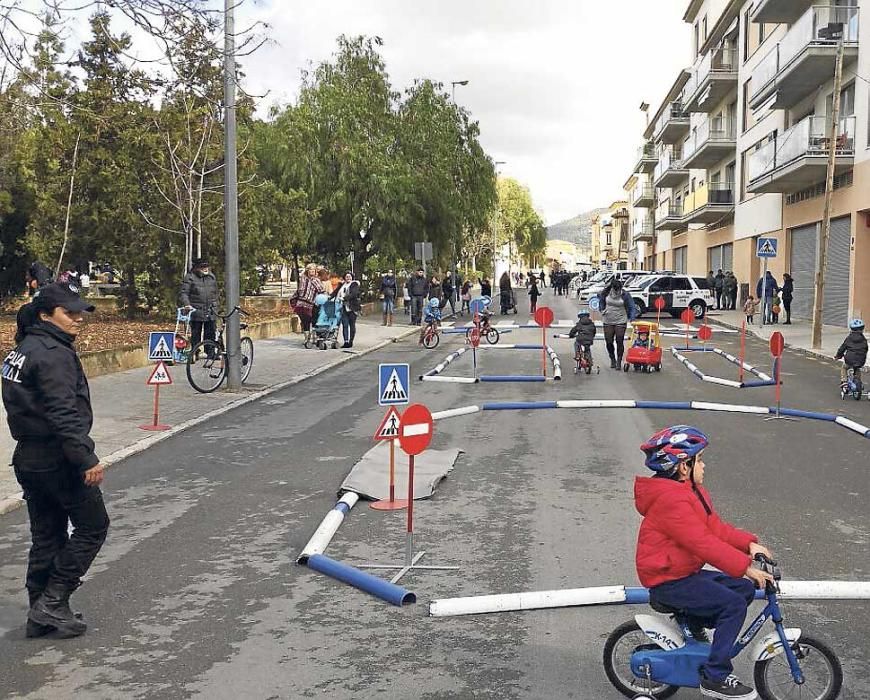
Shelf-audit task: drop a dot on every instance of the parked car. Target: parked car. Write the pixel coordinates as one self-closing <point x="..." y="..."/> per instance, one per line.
<point x="628" y="277"/>
<point x="679" y="292"/>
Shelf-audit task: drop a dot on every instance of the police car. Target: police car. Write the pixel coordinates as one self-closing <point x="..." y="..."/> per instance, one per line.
<point x="628" y="277"/>
<point x="679" y="292"/>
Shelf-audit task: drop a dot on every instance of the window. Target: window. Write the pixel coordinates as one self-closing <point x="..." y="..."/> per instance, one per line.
<point x="754" y="34"/>
<point x="847" y="101"/>
<point x="679" y="284"/>
<point x="721" y="257"/>
<point x="704" y="28"/>
<point x="701" y="282"/>
<point x="749" y="119"/>
<point x="680" y="257"/>
<point x="696" y="42"/>
<point x="662" y="284"/>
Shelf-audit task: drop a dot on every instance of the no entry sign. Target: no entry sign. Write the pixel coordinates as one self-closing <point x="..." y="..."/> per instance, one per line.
<point x="777" y="344"/>
<point x="659" y="303"/>
<point x="474" y="337"/>
<point x="687" y="316"/>
<point x="415" y="429"/>
<point x="544" y="316"/>
<point x="705" y="333"/>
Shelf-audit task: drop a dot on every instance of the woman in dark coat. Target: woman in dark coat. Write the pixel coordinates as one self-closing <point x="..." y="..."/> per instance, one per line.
<point x="787" y="295"/>
<point x="534" y="293"/>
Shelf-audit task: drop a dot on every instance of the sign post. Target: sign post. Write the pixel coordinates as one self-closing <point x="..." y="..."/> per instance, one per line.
<point x="687" y="317"/>
<point x="742" y="351"/>
<point x="544" y="317"/>
<point x="474" y="339"/>
<point x="659" y="303"/>
<point x="389" y="430"/>
<point x="159" y="376"/>
<point x="777" y="345"/>
<point x="766" y="248"/>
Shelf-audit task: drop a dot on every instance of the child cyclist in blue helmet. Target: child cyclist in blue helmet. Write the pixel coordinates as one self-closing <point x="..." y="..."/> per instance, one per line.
<point x="431" y="317"/>
<point x="680" y="533"/>
<point x="853" y="351"/>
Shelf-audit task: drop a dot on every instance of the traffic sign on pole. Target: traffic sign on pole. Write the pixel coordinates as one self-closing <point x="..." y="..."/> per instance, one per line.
<point x="687" y="317"/>
<point x="159" y="375"/>
<point x="389" y="430"/>
<point x="389" y="427"/>
<point x="160" y="344"/>
<point x="777" y="344"/>
<point x="766" y="248"/>
<point x="415" y="429"/>
<point x="393" y="384"/>
<point x="659" y="303"/>
<point x="544" y="317"/>
<point x="705" y="333"/>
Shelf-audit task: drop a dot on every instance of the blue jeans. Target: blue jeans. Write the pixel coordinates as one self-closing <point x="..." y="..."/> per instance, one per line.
<point x="348" y="326"/>
<point x="389" y="305"/>
<point x="718" y="600"/>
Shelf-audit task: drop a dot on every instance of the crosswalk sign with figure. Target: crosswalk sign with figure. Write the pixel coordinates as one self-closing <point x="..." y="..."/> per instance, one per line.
<point x="160" y="345"/>
<point x="767" y="248"/>
<point x="393" y="384"/>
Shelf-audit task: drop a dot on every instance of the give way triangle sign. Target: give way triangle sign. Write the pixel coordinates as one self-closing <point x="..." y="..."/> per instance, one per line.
<point x="159" y="376"/>
<point x="389" y="427"/>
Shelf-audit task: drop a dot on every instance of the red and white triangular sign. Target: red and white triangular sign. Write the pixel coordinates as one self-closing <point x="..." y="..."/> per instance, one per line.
<point x="389" y="427"/>
<point x="159" y="376"/>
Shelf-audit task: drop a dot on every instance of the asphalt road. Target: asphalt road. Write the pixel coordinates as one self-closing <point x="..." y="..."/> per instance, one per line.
<point x="196" y="593"/>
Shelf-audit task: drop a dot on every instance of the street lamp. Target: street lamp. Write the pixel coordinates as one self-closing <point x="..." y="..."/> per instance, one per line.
<point x="456" y="245"/>
<point x="495" y="224"/>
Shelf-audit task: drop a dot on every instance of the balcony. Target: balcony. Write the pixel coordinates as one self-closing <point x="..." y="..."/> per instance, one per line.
<point x="805" y="58"/>
<point x="642" y="231"/>
<point x="669" y="171"/>
<point x="669" y="217"/>
<point x="643" y="196"/>
<point x="798" y="158"/>
<point x="709" y="204"/>
<point x="713" y="141"/>
<point x="780" y="11"/>
<point x="712" y="81"/>
<point x="673" y="125"/>
<point x="646" y="159"/>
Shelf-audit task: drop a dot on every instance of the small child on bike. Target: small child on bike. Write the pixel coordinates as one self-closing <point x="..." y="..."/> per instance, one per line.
<point x="583" y="333"/>
<point x="431" y="317"/>
<point x="680" y="533"/>
<point x="853" y="352"/>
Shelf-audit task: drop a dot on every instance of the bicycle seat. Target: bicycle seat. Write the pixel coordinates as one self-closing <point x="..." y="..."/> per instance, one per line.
<point x="665" y="609"/>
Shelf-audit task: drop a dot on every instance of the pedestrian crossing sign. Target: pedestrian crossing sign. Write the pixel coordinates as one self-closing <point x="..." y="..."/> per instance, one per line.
<point x="393" y="384"/>
<point x="159" y="376"/>
<point x="389" y="427"/>
<point x="767" y="248"/>
<point x="160" y="346"/>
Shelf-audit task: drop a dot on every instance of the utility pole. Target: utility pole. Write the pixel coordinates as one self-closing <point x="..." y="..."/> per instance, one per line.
<point x="822" y="251"/>
<point x="495" y="224"/>
<point x="456" y="243"/>
<point x="232" y="331"/>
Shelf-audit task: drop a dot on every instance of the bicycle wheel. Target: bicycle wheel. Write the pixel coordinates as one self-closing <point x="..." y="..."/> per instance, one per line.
<point x="431" y="340"/>
<point x="206" y="366"/>
<point x="492" y="336"/>
<point x="620" y="645"/>
<point x="247" y="348"/>
<point x="823" y="675"/>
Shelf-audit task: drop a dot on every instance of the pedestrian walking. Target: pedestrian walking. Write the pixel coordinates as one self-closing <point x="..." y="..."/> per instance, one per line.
<point x="617" y="310"/>
<point x="48" y="409"/>
<point x="534" y="293"/>
<point x="787" y="296"/>
<point x="466" y="298"/>
<point x="730" y="291"/>
<point x="388" y="292"/>
<point x="485" y="287"/>
<point x="199" y="293"/>
<point x="348" y="296"/>
<point x="37" y="276"/>
<point x="448" y="291"/>
<point x="418" y="288"/>
<point x="766" y="288"/>
<point x="505" y="293"/>
<point x="302" y="301"/>
<point x="711" y="281"/>
<point x="543" y="279"/>
<point x="406" y="298"/>
<point x="749" y="308"/>
<point x="719" y="288"/>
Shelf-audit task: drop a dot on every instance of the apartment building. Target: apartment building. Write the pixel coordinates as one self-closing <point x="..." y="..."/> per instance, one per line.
<point x="739" y="148"/>
<point x="610" y="236"/>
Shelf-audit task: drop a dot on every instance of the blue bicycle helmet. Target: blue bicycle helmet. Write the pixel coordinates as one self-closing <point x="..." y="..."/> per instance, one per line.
<point x="856" y="324"/>
<point x="582" y="313"/>
<point x="434" y="303"/>
<point x="671" y="446"/>
<point x="321" y="299"/>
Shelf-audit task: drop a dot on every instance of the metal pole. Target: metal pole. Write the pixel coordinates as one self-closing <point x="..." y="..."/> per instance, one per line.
<point x="764" y="293"/>
<point x="824" y="234"/>
<point x="409" y="542"/>
<point x="231" y="204"/>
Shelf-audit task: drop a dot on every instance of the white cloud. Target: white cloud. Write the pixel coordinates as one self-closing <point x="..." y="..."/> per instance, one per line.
<point x="555" y="84"/>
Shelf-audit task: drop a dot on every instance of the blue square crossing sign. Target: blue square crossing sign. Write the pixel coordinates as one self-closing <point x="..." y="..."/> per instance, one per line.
<point x="766" y="248"/>
<point x="393" y="384"/>
<point x="160" y="345"/>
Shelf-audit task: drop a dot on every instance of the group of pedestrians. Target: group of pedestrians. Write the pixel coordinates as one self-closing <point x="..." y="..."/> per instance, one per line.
<point x="559" y="281"/>
<point x="772" y="297"/>
<point x="347" y="294"/>
<point x="724" y="286"/>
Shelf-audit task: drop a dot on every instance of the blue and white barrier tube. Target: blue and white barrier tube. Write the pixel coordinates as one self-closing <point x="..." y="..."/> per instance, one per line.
<point x="627" y="595"/>
<point x="749" y="368"/>
<point x="439" y="368"/>
<point x="352" y="576"/>
<point x="326" y="531"/>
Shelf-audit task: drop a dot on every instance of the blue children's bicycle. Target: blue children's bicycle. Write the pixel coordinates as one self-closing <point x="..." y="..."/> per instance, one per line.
<point x="652" y="657"/>
<point x="853" y="386"/>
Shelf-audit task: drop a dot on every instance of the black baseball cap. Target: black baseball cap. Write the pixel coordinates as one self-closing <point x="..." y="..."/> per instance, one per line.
<point x="61" y="294"/>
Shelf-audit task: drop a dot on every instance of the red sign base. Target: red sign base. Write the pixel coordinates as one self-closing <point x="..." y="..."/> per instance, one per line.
<point x="155" y="427"/>
<point x="390" y="505"/>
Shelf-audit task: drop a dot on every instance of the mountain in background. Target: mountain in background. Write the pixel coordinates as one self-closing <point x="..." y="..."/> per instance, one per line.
<point x="576" y="230"/>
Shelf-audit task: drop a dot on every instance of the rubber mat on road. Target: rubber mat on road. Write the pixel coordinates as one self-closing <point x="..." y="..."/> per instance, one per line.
<point x="370" y="477"/>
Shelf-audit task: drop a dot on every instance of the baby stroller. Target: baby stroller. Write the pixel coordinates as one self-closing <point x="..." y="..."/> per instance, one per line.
<point x="325" y="331"/>
<point x="508" y="301"/>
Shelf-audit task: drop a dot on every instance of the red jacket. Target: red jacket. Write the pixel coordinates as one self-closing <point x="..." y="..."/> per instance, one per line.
<point x="678" y="536"/>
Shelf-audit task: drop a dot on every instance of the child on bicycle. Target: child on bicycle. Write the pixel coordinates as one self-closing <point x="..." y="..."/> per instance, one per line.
<point x="853" y="352"/>
<point x="583" y="333"/>
<point x="680" y="533"/>
<point x="431" y="317"/>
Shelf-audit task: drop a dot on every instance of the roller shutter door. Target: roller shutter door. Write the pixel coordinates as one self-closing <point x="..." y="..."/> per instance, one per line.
<point x="804" y="241"/>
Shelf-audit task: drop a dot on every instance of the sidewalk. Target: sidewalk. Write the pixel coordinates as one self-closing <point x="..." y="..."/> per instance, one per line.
<point x="797" y="335"/>
<point x="122" y="402"/>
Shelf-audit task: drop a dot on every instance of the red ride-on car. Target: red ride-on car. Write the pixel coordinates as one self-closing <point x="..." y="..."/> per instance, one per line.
<point x="645" y="348"/>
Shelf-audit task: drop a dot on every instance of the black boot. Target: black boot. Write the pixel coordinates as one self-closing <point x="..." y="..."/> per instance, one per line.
<point x="34" y="630"/>
<point x="52" y="609"/>
<point x="613" y="364"/>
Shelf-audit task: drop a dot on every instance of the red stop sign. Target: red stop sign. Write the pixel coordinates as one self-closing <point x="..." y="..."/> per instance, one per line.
<point x="415" y="429"/>
<point x="705" y="333"/>
<point x="474" y="337"/>
<point x="687" y="316"/>
<point x="544" y="316"/>
<point x="777" y="344"/>
<point x="659" y="303"/>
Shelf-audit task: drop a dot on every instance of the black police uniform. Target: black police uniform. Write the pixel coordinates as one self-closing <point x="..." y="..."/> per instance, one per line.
<point x="48" y="409"/>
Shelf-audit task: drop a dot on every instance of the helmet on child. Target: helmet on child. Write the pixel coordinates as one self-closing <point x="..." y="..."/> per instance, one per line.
<point x="856" y="324"/>
<point x="582" y="313"/>
<point x="434" y="303"/>
<point x="321" y="299"/>
<point x="671" y="446"/>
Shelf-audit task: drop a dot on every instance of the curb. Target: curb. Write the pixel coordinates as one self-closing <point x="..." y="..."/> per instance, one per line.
<point x="816" y="354"/>
<point x="16" y="501"/>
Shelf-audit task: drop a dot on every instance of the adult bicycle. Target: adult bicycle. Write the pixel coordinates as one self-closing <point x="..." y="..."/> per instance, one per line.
<point x="207" y="362"/>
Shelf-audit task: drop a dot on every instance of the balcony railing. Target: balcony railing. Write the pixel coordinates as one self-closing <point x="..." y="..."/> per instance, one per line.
<point x="809" y="137"/>
<point x="642" y="230"/>
<point x="667" y="161"/>
<point x="673" y="112"/>
<point x="810" y="30"/>
<point x="643" y="192"/>
<point x="718" y="130"/>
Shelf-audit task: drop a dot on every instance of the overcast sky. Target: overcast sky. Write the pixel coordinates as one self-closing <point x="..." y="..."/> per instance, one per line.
<point x="555" y="84"/>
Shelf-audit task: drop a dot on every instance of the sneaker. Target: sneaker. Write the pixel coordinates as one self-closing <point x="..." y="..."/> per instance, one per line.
<point x="727" y="689"/>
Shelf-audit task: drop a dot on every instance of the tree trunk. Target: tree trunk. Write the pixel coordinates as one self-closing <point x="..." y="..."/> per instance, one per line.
<point x="72" y="180"/>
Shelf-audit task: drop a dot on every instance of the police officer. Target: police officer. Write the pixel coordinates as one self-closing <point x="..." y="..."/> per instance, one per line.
<point x="48" y="407"/>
